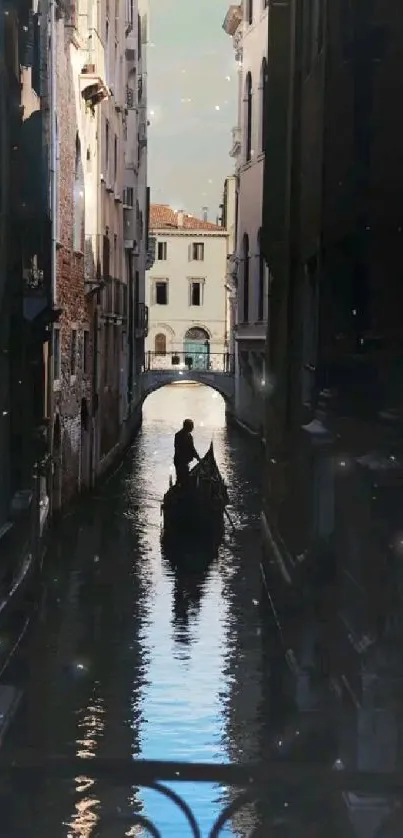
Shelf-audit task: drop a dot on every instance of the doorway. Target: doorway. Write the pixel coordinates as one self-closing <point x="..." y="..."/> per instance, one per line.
<point x="196" y="349"/>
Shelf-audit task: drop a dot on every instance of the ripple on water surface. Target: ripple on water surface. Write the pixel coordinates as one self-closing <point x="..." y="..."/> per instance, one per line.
<point x="132" y="655"/>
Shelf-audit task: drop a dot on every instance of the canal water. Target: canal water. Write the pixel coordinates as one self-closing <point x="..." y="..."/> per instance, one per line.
<point x="129" y="656"/>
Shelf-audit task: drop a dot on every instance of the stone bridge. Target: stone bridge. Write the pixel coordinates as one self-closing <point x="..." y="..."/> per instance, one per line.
<point x="222" y="382"/>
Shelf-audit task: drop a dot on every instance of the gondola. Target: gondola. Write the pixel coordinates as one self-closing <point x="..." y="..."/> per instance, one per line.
<point x="196" y="511"/>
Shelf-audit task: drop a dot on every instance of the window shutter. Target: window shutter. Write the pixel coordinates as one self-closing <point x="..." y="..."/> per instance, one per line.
<point x="189" y="252"/>
<point x="167" y="292"/>
<point x="153" y="293"/>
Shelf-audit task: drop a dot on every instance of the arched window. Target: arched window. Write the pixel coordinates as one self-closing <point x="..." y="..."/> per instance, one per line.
<point x="263" y="104"/>
<point x="160" y="344"/>
<point x="248" y="117"/>
<point x="249" y="11"/>
<point x="78" y="199"/>
<point x="245" y="245"/>
<point x="260" y="301"/>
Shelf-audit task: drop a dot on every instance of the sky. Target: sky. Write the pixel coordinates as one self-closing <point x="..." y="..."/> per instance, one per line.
<point x="192" y="91"/>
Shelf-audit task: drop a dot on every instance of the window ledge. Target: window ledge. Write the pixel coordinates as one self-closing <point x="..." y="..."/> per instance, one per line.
<point x="78" y="252"/>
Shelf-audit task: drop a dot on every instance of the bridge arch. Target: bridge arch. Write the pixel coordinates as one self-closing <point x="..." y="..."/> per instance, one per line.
<point x="156" y="379"/>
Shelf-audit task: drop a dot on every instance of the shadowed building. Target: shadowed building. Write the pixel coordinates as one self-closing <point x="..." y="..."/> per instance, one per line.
<point x="332" y="238"/>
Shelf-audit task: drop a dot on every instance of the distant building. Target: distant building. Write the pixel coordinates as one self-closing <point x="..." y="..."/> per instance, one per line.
<point x="185" y="291"/>
<point x="247" y="24"/>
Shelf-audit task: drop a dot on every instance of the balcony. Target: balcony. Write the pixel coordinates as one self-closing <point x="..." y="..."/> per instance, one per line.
<point x="233" y="18"/>
<point x="141" y="320"/>
<point x="93" y="86"/>
<point x="236" y="141"/>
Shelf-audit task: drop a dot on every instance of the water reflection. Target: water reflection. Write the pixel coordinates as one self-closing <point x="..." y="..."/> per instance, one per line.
<point x="139" y="652"/>
<point x="190" y="569"/>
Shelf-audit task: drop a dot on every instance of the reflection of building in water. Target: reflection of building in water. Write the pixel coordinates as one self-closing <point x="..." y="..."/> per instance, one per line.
<point x="243" y="664"/>
<point x="105" y="640"/>
<point x="370" y="739"/>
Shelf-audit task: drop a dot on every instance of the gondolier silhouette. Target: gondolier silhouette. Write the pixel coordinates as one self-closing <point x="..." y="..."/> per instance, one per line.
<point x="185" y="452"/>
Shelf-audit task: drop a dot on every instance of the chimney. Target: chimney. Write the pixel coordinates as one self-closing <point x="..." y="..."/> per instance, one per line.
<point x="179" y="217"/>
<point x="205" y="213"/>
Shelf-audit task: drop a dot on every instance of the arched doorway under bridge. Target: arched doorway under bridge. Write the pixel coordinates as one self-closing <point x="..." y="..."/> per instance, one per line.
<point x="196" y="347"/>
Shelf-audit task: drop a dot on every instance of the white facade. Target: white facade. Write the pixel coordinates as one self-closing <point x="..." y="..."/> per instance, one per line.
<point x="248" y="26"/>
<point x="186" y="293"/>
<point x="229" y="205"/>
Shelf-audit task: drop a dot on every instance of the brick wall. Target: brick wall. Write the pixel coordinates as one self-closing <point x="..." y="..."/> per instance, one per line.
<point x="69" y="390"/>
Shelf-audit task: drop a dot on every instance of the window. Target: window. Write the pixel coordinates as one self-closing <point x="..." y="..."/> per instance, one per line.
<point x="263" y="108"/>
<point x="106" y="146"/>
<point x="139" y="37"/>
<point x="245" y="313"/>
<point x="56" y="354"/>
<point x="73" y="353"/>
<point x="162" y="251"/>
<point x="161" y="292"/>
<point x="128" y="196"/>
<point x="260" y="302"/>
<point x="86" y="352"/>
<point x="197" y="252"/>
<point x="78" y="199"/>
<point x="107" y="74"/>
<point x="160" y="344"/>
<point x="196" y="287"/>
<point x="249" y="11"/>
<point x="248" y="117"/>
<point x="107" y="350"/>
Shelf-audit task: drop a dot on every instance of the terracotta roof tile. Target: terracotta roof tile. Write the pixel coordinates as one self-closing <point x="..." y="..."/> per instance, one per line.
<point x="162" y="216"/>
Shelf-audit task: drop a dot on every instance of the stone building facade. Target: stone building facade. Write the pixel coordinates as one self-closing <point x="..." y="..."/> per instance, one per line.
<point x="247" y="24"/>
<point x="97" y="136"/>
<point x="332" y="239"/>
<point x="72" y="336"/>
<point x="25" y="306"/>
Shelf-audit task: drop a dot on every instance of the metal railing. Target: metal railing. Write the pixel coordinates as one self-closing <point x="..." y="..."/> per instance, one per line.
<point x="304" y="800"/>
<point x="222" y="362"/>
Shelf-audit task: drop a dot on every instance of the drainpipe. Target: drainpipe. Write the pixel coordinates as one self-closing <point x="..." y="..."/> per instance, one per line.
<point x="53" y="222"/>
<point x="53" y="147"/>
